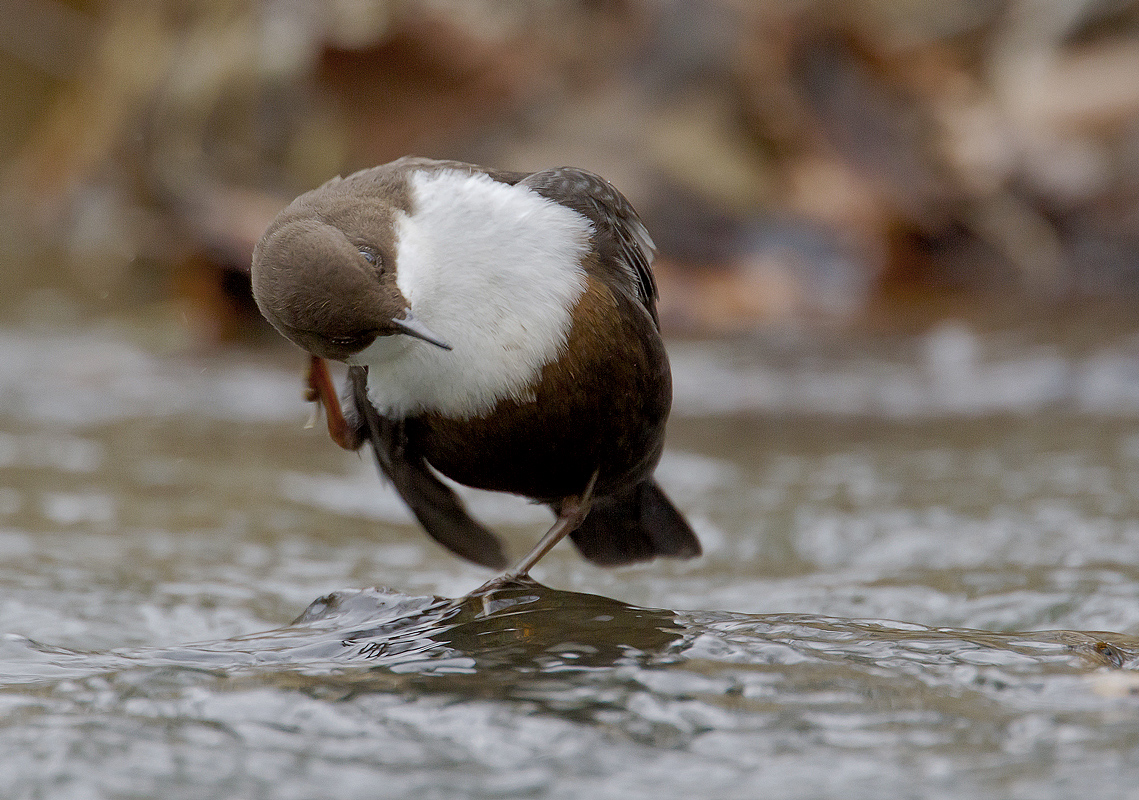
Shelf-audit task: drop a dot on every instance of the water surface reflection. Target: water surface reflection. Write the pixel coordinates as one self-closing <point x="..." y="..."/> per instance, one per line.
<point x="529" y="687"/>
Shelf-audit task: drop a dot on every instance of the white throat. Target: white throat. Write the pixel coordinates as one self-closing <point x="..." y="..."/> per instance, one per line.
<point x="495" y="270"/>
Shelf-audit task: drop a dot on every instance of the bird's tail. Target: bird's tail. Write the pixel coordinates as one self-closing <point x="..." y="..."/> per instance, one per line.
<point x="637" y="525"/>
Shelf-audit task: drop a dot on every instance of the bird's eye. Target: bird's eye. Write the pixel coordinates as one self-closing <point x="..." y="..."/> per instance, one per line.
<point x="369" y="255"/>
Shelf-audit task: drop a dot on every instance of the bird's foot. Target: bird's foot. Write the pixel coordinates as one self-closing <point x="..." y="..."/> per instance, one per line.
<point x="499" y="593"/>
<point x="507" y="580"/>
<point x="319" y="390"/>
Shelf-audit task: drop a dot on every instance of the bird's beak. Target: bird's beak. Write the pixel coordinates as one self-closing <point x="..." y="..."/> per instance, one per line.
<point x="413" y="327"/>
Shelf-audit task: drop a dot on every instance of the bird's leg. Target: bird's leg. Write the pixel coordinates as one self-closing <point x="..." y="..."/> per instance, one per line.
<point x="321" y="391"/>
<point x="570" y="515"/>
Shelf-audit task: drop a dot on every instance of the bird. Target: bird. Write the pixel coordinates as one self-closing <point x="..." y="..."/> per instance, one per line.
<point x="500" y="329"/>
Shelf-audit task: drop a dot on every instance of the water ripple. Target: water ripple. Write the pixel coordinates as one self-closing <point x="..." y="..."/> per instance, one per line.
<point x="517" y="686"/>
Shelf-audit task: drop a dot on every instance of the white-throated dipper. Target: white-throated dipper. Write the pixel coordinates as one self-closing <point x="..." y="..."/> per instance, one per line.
<point x="500" y="328"/>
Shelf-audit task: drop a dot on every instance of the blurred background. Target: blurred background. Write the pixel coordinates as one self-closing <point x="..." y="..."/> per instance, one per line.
<point x="813" y="162"/>
<point x="899" y="265"/>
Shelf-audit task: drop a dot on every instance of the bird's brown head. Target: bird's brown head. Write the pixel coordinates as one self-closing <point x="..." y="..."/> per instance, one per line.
<point x="324" y="274"/>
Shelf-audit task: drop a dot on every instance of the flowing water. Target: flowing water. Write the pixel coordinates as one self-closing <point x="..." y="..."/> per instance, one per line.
<point x="921" y="579"/>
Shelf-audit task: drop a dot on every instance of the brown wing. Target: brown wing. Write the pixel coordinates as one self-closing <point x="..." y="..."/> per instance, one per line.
<point x="438" y="509"/>
<point x="622" y="241"/>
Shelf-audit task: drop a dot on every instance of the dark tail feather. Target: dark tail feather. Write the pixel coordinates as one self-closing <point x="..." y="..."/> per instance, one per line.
<point x="635" y="526"/>
<point x="438" y="509"/>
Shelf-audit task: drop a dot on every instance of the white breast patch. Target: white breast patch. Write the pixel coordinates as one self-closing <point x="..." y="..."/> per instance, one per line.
<point x="493" y="269"/>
